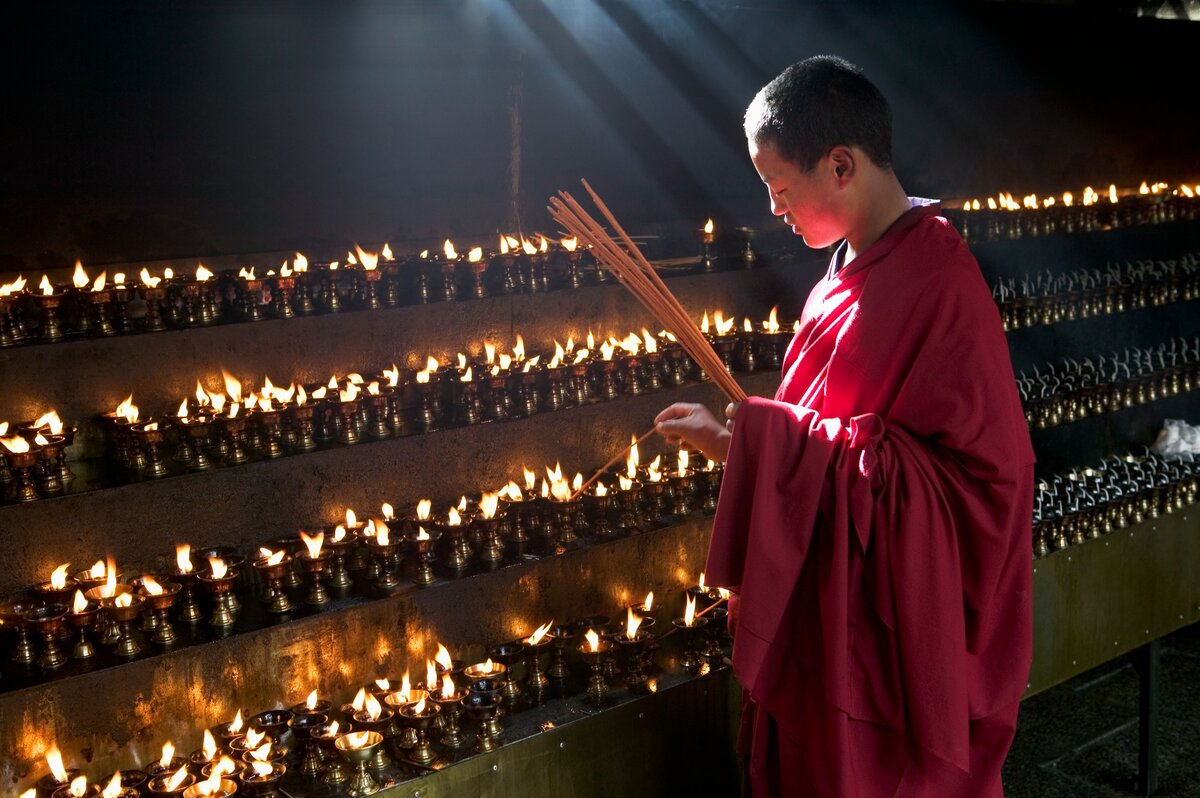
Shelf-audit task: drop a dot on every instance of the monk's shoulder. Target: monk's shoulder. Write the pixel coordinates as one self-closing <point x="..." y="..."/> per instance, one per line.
<point x="931" y="263"/>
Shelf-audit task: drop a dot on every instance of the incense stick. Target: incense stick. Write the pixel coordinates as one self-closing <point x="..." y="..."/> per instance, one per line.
<point x="599" y="473"/>
<point x="631" y="268"/>
<point x="714" y="605"/>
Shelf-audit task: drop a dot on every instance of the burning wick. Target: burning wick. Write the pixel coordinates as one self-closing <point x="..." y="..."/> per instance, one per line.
<point x="593" y="640"/>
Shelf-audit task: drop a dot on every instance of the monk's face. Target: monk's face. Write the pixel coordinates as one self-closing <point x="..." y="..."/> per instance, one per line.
<point x="809" y="202"/>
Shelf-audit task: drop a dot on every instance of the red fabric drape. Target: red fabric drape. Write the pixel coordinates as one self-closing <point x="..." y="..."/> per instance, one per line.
<point x="875" y="519"/>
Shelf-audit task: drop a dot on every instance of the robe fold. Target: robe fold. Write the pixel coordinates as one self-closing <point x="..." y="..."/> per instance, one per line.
<point x="875" y="522"/>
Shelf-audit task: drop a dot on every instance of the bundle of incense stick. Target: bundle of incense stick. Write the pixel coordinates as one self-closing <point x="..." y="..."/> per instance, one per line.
<point x="626" y="261"/>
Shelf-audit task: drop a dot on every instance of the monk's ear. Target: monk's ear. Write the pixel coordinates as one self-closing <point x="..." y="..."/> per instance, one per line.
<point x="843" y="164"/>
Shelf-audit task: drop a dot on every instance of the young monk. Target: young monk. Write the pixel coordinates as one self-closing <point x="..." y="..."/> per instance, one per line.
<point x="875" y="516"/>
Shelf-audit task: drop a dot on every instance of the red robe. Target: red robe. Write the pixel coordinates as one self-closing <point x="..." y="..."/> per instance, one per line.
<point x="875" y="518"/>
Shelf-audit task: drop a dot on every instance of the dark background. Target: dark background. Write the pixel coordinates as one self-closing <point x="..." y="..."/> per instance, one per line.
<point x="138" y="131"/>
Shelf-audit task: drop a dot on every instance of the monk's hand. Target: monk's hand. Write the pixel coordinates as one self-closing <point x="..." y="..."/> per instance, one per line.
<point x="696" y="426"/>
<point x="731" y="410"/>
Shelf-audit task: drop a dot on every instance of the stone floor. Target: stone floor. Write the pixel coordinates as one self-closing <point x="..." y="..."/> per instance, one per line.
<point x="1081" y="738"/>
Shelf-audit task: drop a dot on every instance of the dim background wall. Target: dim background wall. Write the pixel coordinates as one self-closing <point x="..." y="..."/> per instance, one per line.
<point x="136" y="131"/>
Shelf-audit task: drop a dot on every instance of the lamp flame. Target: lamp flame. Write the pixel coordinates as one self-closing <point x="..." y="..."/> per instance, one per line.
<point x="218" y="567"/>
<point x="262" y="769"/>
<point x="448" y="689"/>
<point x="209" y="746"/>
<point x="313" y="543"/>
<point x="183" y="558"/>
<point x="254" y="737"/>
<point x="448" y="248"/>
<point x="236" y="726"/>
<point x="708" y="227"/>
<point x="81" y="279"/>
<point x="371" y="704"/>
<point x="539" y="633"/>
<point x="311" y="701"/>
<point x="15" y="444"/>
<point x="79" y="604"/>
<point x="153" y="588"/>
<point x="443" y="658"/>
<point x="632" y="622"/>
<point x="58" y="578"/>
<point x="689" y="611"/>
<point x="113" y="789"/>
<point x="168" y="753"/>
<point x="176" y="781"/>
<point x="648" y="604"/>
<point x="431" y="678"/>
<point x="593" y="640"/>
<point x="262" y="753"/>
<point x="55" y="762"/>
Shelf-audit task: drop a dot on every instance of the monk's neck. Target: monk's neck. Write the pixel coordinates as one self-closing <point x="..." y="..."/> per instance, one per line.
<point x="881" y="208"/>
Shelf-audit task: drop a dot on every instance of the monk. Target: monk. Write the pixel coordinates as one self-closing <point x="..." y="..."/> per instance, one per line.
<point x="875" y="516"/>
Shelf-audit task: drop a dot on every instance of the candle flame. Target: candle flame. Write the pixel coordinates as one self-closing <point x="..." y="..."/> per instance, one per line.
<point x="113" y="789"/>
<point x="168" y="753"/>
<point x="153" y="588"/>
<point x="46" y="288"/>
<point x="311" y="701"/>
<point x="448" y="248"/>
<point x="489" y="666"/>
<point x="488" y="502"/>
<point x="570" y="244"/>
<point x="275" y="558"/>
<point x="387" y="252"/>
<point x="683" y="462"/>
<point x="236" y="726"/>
<point x="223" y="768"/>
<point x="689" y="611"/>
<point x="625" y="482"/>
<point x="708" y="227"/>
<point x="58" y="578"/>
<point x="443" y="658"/>
<point x="704" y="323"/>
<point x="262" y="769"/>
<point x="632" y="622"/>
<point x="100" y="282"/>
<point x="313" y="543"/>
<point x="539" y="633"/>
<point x="701" y="583"/>
<point x="254" y="737"/>
<point x="369" y="260"/>
<point x="176" y="780"/>
<point x="147" y="280"/>
<point x="55" y="761"/>
<point x="475" y="255"/>
<point x="232" y="386"/>
<point x="601" y="490"/>
<point x="1112" y="193"/>
<point x="262" y="753"/>
<point x="357" y="739"/>
<point x="183" y="558"/>
<point x="448" y="689"/>
<point x="423" y="507"/>
<point x="528" y="247"/>
<point x="371" y="704"/>
<point x="405" y="687"/>
<point x="78" y="787"/>
<point x="123" y="600"/>
<point x="359" y="699"/>
<point x="333" y="729"/>
<point x="209" y="746"/>
<point x="593" y="640"/>
<point x="382" y="533"/>
<point x="15" y="444"/>
<point x="383" y="684"/>
<point x="431" y="678"/>
<point x="771" y="325"/>
<point x="203" y="275"/>
<point x="453" y="518"/>
<point x="519" y="348"/>
<point x="81" y="279"/>
<point x="653" y="471"/>
<point x="218" y="567"/>
<point x="648" y="604"/>
<point x="419" y="707"/>
<point x="80" y="603"/>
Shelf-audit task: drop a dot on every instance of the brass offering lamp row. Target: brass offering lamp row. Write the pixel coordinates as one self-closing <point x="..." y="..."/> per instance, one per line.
<point x="363" y="280"/>
<point x="394" y="727"/>
<point x="1047" y="298"/>
<point x="103" y="609"/>
<point x="33" y="461"/>
<point x="1072" y="390"/>
<point x="1002" y="216"/>
<point x="218" y="428"/>
<point x="1088" y="503"/>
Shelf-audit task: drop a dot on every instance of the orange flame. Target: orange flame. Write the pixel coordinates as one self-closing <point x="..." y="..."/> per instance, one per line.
<point x="431" y="679"/>
<point x="448" y="248"/>
<point x="632" y="622"/>
<point x="689" y="612"/>
<point x="153" y="588"/>
<point x="313" y="543"/>
<point x="648" y="604"/>
<point x="539" y="633"/>
<point x="209" y="746"/>
<point x="262" y="753"/>
<point x="79" y="604"/>
<point x="113" y="789"/>
<point x="219" y="569"/>
<point x="55" y="761"/>
<point x="448" y="689"/>
<point x="183" y="558"/>
<point x="58" y="579"/>
<point x="443" y="657"/>
<point x="168" y="753"/>
<point x="708" y="227"/>
<point x="262" y="769"/>
<point x="236" y="726"/>
<point x="254" y="737"/>
<point x="371" y="704"/>
<point x="593" y="640"/>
